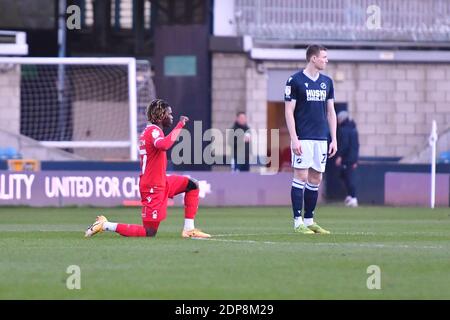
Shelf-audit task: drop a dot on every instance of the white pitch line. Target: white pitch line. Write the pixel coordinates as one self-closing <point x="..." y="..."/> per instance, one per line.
<point x="248" y="234"/>
<point x="379" y="245"/>
<point x="331" y="244"/>
<point x="289" y="234"/>
<point x="358" y="233"/>
<point x="238" y="241"/>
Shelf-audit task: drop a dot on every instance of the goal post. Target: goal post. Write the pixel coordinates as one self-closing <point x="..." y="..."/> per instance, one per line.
<point x="99" y="110"/>
<point x="432" y="140"/>
<point x="132" y="96"/>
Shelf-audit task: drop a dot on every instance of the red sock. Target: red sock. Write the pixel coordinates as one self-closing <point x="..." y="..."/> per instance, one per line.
<point x="130" y="230"/>
<point x="191" y="204"/>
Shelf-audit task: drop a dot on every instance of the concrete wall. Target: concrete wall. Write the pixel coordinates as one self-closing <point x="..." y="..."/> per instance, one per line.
<point x="101" y="121"/>
<point x="31" y="149"/>
<point x="239" y="85"/>
<point x="424" y="155"/>
<point x="228" y="88"/>
<point x="392" y="103"/>
<point x="10" y="98"/>
<point x="107" y="119"/>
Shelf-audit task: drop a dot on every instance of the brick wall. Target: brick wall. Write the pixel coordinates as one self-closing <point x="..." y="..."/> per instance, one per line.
<point x="228" y="88"/>
<point x="256" y="106"/>
<point x="392" y="103"/>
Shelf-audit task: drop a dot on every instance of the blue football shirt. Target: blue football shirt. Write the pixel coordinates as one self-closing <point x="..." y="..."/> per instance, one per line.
<point x="311" y="98"/>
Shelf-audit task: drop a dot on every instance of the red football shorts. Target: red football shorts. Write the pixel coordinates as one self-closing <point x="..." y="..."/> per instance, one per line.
<point x="154" y="200"/>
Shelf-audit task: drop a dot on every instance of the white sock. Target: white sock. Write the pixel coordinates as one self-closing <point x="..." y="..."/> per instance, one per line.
<point x="110" y="226"/>
<point x="309" y="221"/>
<point x="298" y="222"/>
<point x="188" y="224"/>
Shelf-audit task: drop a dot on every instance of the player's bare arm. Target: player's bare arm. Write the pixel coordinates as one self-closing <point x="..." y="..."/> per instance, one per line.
<point x="290" y="121"/>
<point x="169" y="140"/>
<point x="332" y="124"/>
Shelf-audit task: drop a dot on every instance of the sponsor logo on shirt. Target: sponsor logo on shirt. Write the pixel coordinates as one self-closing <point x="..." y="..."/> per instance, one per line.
<point x="316" y="95"/>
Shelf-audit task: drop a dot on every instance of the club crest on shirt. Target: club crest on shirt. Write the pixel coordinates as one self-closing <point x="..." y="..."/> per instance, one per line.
<point x="323" y="85"/>
<point x="155" y="133"/>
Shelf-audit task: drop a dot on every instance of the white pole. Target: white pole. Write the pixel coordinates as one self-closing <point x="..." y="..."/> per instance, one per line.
<point x="132" y="95"/>
<point x="433" y="141"/>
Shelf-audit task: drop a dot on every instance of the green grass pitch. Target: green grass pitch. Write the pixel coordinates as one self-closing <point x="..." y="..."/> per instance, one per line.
<point x="254" y="255"/>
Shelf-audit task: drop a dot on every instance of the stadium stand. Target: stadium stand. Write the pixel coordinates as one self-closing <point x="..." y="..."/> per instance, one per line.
<point x="9" y="153"/>
<point x="444" y="157"/>
<point x="32" y="149"/>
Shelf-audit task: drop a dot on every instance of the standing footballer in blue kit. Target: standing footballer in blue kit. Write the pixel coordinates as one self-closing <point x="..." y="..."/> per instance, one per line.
<point x="310" y="118"/>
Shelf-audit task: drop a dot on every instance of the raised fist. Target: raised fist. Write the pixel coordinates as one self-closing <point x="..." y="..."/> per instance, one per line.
<point x="184" y="119"/>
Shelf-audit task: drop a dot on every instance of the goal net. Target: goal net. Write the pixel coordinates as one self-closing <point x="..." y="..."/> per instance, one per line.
<point x="91" y="107"/>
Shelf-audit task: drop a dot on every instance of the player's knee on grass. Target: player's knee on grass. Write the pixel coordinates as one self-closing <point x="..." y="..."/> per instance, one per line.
<point x="192" y="185"/>
<point x="151" y="228"/>
<point x="150" y="232"/>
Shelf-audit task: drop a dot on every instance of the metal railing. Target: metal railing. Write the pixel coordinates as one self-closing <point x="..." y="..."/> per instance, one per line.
<point x="345" y="20"/>
<point x="121" y="14"/>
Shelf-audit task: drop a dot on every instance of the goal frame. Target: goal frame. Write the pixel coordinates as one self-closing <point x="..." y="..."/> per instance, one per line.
<point x="132" y="99"/>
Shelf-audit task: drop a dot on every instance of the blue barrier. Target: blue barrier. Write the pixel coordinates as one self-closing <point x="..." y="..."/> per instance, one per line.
<point x="444" y="157"/>
<point x="9" y="153"/>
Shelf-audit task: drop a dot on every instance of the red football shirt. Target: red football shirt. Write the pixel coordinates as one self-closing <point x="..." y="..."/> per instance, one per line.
<point x="152" y="150"/>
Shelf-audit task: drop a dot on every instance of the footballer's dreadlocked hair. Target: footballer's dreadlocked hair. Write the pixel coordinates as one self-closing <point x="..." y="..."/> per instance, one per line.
<point x="156" y="110"/>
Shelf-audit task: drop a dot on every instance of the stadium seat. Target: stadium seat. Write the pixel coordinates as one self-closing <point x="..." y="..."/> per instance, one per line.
<point x="444" y="157"/>
<point x="9" y="153"/>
